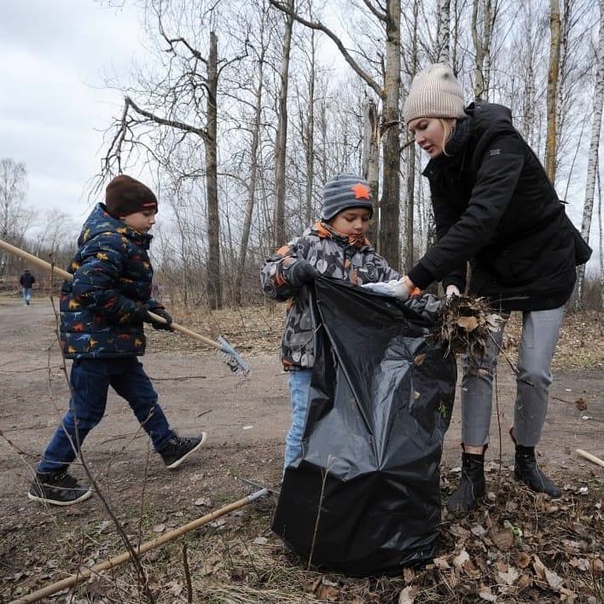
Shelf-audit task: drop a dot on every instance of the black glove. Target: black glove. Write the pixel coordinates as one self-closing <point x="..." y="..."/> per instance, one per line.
<point x="142" y="314"/>
<point x="300" y="273"/>
<point x="164" y="314"/>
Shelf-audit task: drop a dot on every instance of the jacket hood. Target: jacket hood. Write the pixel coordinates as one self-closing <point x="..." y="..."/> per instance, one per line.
<point x="100" y="221"/>
<point x="489" y="115"/>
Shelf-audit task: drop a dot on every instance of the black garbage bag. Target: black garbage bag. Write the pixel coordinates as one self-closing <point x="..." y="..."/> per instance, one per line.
<point x="364" y="496"/>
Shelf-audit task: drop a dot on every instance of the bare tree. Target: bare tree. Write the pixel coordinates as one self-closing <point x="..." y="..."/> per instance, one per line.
<point x="594" y="144"/>
<point x="552" y="90"/>
<point x="55" y="230"/>
<point x="15" y="219"/>
<point x="388" y="15"/>
<point x="444" y="31"/>
<point x="259" y="33"/>
<point x="484" y="14"/>
<point x="282" y="116"/>
<point x="184" y="101"/>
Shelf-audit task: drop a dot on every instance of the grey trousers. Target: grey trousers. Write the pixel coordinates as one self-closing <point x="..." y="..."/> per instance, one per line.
<point x="540" y="333"/>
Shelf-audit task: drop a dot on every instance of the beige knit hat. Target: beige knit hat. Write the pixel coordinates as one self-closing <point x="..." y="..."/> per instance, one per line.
<point x="434" y="92"/>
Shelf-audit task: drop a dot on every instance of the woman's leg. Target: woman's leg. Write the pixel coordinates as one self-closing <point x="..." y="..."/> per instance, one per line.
<point x="476" y="408"/>
<point x="540" y="333"/>
<point x="477" y="391"/>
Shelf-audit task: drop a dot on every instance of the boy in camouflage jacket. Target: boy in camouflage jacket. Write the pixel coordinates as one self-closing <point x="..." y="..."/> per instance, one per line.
<point x="336" y="247"/>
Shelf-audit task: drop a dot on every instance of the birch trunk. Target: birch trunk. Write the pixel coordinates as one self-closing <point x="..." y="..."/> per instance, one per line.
<point x="279" y="235"/>
<point x="593" y="161"/>
<point x="444" y="31"/>
<point x="552" y="90"/>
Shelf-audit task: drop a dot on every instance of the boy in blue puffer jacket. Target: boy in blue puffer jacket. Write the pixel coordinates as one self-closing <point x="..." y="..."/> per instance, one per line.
<point x="102" y="314"/>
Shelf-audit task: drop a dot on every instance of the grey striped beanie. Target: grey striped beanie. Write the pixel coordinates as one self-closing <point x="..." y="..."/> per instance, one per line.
<point x="344" y="191"/>
<point x="434" y="92"/>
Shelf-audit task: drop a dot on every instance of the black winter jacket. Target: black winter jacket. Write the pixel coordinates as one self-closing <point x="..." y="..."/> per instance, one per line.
<point x="27" y="279"/>
<point x="495" y="207"/>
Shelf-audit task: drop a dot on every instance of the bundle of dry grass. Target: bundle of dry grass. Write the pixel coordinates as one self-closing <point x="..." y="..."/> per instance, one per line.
<point x="465" y="324"/>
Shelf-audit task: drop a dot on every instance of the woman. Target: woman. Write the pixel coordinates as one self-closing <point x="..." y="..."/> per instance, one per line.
<point x="495" y="208"/>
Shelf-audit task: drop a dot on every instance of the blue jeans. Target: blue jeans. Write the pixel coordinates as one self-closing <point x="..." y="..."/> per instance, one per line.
<point x="26" y="294"/>
<point x="299" y="391"/>
<point x="540" y="333"/>
<point x="90" y="381"/>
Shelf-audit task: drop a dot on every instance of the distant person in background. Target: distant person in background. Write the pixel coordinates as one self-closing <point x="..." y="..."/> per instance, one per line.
<point x="27" y="281"/>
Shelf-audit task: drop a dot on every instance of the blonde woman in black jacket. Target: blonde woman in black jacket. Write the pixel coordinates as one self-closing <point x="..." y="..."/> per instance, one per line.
<point x="495" y="209"/>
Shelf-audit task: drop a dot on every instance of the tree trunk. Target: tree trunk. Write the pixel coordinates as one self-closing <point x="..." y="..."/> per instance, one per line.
<point x="253" y="182"/>
<point x="371" y="157"/>
<point x="552" y="90"/>
<point x="410" y="227"/>
<point x="309" y="142"/>
<point x="444" y="31"/>
<point x="389" y="244"/>
<point x="483" y="20"/>
<point x="213" y="285"/>
<point x="593" y="161"/>
<point x="279" y="234"/>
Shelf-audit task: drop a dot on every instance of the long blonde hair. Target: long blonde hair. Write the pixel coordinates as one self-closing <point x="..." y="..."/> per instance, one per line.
<point x="448" y="125"/>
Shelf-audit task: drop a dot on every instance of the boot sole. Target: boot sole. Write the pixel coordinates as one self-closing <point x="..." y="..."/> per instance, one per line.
<point x="521" y="480"/>
<point x="176" y="463"/>
<point x="81" y="498"/>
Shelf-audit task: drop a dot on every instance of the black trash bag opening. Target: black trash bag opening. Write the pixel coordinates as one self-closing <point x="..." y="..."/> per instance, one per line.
<point x="364" y="497"/>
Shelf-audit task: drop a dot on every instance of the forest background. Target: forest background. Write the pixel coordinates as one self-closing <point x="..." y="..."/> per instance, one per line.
<point x="240" y="111"/>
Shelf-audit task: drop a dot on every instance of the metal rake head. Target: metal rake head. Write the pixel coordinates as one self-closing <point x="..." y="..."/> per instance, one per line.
<point x="231" y="357"/>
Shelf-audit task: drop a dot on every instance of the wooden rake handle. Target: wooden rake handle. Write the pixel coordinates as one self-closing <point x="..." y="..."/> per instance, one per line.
<point x="86" y="573"/>
<point x="65" y="275"/>
<point x="591" y="457"/>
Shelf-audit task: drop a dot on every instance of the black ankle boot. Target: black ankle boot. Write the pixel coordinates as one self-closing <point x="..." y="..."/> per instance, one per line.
<point x="526" y="470"/>
<point x="472" y="486"/>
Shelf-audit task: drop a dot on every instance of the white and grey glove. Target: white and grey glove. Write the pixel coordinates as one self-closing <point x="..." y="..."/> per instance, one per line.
<point x="395" y="288"/>
<point x="452" y="290"/>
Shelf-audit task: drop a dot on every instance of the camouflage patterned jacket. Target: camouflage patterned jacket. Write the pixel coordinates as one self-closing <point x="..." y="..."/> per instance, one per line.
<point x="112" y="275"/>
<point x="333" y="256"/>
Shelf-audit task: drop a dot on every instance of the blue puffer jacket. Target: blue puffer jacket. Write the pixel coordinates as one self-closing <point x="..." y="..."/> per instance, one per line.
<point x="112" y="276"/>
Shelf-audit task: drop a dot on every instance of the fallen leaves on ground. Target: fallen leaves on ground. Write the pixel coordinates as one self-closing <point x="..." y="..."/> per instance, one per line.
<point x="517" y="547"/>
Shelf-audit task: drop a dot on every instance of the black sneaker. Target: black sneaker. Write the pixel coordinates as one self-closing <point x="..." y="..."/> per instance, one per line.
<point x="178" y="449"/>
<point x="58" y="488"/>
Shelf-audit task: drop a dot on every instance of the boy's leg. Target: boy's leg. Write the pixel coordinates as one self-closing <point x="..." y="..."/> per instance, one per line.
<point x="89" y="384"/>
<point x="133" y="384"/>
<point x="299" y="389"/>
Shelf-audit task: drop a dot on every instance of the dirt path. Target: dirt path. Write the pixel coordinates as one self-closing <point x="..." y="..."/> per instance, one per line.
<point x="245" y="421"/>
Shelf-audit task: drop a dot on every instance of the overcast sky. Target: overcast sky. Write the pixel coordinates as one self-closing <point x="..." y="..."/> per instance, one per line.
<point x="55" y="56"/>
